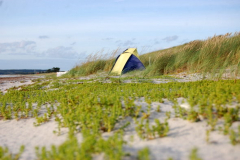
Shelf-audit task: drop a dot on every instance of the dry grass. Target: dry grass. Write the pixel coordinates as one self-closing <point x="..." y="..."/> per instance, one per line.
<point x="214" y="55"/>
<point x="95" y="63"/>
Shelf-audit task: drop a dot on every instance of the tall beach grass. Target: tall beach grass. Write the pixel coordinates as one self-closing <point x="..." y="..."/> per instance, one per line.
<point x="95" y="63"/>
<point x="215" y="56"/>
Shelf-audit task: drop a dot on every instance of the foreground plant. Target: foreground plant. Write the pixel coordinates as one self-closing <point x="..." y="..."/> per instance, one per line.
<point x="144" y="154"/>
<point x="235" y="136"/>
<point x="194" y="155"/>
<point x="147" y="131"/>
<point x="5" y="154"/>
<point x="92" y="145"/>
<point x="91" y="108"/>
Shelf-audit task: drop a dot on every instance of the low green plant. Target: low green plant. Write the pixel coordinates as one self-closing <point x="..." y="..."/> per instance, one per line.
<point x="207" y="135"/>
<point x="158" y="108"/>
<point x="92" y="108"/>
<point x="168" y="114"/>
<point x="147" y="131"/>
<point x="5" y="154"/>
<point x="194" y="155"/>
<point x="92" y="144"/>
<point x="212" y="119"/>
<point x="144" y="154"/>
<point x="235" y="136"/>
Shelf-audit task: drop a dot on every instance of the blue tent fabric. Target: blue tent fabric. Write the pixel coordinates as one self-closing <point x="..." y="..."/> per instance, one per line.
<point x="133" y="63"/>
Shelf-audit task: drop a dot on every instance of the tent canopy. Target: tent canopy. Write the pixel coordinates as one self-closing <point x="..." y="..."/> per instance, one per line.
<point x="127" y="61"/>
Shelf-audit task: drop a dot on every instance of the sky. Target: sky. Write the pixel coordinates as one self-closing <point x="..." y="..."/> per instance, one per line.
<point x="42" y="34"/>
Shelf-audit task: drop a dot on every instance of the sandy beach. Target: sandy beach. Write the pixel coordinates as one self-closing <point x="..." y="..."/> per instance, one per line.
<point x="15" y="81"/>
<point x="182" y="137"/>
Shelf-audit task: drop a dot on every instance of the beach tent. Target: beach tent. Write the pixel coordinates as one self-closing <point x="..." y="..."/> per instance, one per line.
<point x="127" y="61"/>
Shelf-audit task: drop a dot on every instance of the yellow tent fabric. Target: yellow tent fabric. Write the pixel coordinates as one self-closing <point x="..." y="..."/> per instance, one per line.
<point x="132" y="51"/>
<point x="122" y="60"/>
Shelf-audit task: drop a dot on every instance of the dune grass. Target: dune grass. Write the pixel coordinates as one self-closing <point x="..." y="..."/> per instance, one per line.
<point x="95" y="63"/>
<point x="214" y="56"/>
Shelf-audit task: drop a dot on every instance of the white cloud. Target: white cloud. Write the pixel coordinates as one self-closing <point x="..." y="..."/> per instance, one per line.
<point x="28" y="48"/>
<point x="170" y="38"/>
<point x="18" y="54"/>
<point x="126" y="43"/>
<point x="73" y="43"/>
<point x="60" y="52"/>
<point x="107" y="39"/>
<point x="156" y="41"/>
<point x="23" y="46"/>
<point x="43" y="37"/>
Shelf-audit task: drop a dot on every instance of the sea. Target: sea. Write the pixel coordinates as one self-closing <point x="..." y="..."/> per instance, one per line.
<point x="19" y="72"/>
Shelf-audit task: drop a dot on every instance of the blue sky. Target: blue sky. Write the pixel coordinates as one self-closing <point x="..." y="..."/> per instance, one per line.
<point x="41" y="34"/>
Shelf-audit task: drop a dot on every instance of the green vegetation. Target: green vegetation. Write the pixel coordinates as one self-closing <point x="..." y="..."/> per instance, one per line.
<point x="235" y="136"/>
<point x="193" y="155"/>
<point x="92" y="108"/>
<point x="94" y="64"/>
<point x="151" y="132"/>
<point x="215" y="56"/>
<point x="5" y="154"/>
<point x="54" y="69"/>
<point x="92" y="144"/>
<point x="144" y="154"/>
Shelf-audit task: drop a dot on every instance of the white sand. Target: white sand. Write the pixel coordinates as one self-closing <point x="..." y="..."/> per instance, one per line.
<point x="9" y="82"/>
<point x="182" y="138"/>
<point x="14" y="133"/>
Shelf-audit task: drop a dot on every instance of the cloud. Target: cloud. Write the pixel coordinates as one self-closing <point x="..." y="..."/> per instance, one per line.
<point x="118" y="41"/>
<point x="170" y="38"/>
<point x="107" y="39"/>
<point x="60" y="52"/>
<point x="126" y="43"/>
<point x="1" y="2"/>
<point x="18" y="53"/>
<point x="156" y="41"/>
<point x="73" y="43"/>
<point x="28" y="48"/>
<point x="43" y="37"/>
<point x="22" y="46"/>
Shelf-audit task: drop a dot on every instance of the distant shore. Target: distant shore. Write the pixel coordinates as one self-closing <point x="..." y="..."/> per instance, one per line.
<point x="21" y="71"/>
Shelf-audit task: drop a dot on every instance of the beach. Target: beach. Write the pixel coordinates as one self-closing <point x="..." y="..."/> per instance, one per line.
<point x="182" y="138"/>
<point x="9" y="81"/>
